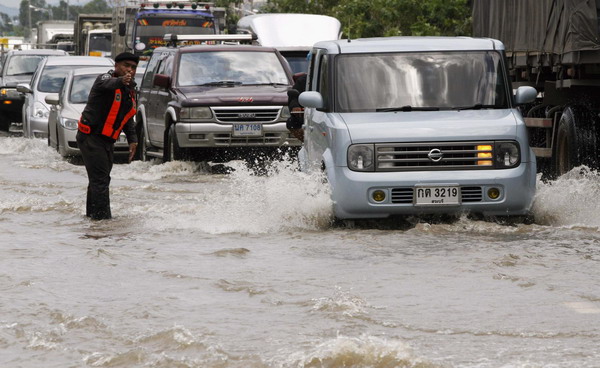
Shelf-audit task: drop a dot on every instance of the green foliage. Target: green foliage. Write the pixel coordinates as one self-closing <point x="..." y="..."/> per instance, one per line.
<point x="375" y="18"/>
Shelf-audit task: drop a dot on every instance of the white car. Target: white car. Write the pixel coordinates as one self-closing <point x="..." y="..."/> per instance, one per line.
<point x="49" y="78"/>
<point x="417" y="125"/>
<point x="66" y="109"/>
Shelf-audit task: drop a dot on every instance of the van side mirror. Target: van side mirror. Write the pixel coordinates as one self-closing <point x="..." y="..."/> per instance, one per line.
<point x="525" y="95"/>
<point x="311" y="99"/>
<point x="161" y="80"/>
<point x="122" y="29"/>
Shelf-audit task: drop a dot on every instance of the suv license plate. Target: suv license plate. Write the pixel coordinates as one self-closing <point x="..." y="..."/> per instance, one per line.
<point x="247" y="130"/>
<point x="437" y="196"/>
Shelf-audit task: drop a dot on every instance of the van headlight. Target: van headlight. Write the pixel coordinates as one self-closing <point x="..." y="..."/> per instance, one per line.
<point x="285" y="112"/>
<point x="361" y="157"/>
<point x="195" y="113"/>
<point x="70" y="124"/>
<point x="507" y="155"/>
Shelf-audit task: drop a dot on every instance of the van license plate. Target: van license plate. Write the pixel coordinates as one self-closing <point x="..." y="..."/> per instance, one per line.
<point x="247" y="130"/>
<point x="437" y="196"/>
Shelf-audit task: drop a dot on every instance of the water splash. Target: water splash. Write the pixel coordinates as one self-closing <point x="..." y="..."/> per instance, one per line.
<point x="572" y="200"/>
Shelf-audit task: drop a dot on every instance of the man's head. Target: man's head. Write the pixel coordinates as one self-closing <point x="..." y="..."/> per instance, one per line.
<point x="126" y="63"/>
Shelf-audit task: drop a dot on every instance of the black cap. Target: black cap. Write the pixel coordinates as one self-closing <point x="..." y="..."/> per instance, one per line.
<point x="127" y="56"/>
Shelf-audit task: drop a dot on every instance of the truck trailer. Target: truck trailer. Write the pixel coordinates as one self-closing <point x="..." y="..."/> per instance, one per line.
<point x="554" y="46"/>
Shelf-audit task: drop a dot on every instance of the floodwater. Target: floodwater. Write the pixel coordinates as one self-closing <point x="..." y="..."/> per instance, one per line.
<point x="199" y="269"/>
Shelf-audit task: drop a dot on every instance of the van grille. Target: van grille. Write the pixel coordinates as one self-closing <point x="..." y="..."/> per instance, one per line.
<point x="246" y="114"/>
<point x="468" y="194"/>
<point x="434" y="156"/>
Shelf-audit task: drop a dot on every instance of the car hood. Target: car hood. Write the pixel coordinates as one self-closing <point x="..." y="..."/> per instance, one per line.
<point x="433" y="126"/>
<point x="13" y="80"/>
<point x="237" y="95"/>
<point x="72" y="111"/>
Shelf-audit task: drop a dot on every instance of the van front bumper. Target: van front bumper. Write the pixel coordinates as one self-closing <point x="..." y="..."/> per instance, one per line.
<point x="352" y="192"/>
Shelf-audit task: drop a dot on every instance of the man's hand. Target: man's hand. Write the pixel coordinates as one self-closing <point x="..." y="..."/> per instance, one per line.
<point x="127" y="79"/>
<point x="132" y="149"/>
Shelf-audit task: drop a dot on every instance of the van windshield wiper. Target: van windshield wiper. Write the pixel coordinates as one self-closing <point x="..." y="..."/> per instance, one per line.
<point x="408" y="108"/>
<point x="222" y="83"/>
<point x="476" y="107"/>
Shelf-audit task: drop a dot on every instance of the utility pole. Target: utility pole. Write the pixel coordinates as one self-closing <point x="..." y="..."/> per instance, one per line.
<point x="29" y="19"/>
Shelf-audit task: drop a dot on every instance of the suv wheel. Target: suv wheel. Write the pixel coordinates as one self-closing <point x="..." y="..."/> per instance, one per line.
<point x="172" y="150"/>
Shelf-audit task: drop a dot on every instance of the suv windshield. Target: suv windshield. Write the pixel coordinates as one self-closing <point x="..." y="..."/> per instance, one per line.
<point x="80" y="88"/>
<point x="23" y="64"/>
<point x="219" y="67"/>
<point x="420" y="81"/>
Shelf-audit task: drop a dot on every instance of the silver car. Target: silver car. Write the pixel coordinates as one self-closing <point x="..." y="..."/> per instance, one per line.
<point x="49" y="78"/>
<point x="66" y="109"/>
<point x="417" y="125"/>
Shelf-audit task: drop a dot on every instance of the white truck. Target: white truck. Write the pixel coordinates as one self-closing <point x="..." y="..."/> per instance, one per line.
<point x="93" y="35"/>
<point x="293" y="35"/>
<point x="49" y="32"/>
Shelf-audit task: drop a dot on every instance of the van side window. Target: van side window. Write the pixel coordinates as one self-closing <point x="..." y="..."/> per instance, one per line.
<point x="311" y="69"/>
<point x="323" y="87"/>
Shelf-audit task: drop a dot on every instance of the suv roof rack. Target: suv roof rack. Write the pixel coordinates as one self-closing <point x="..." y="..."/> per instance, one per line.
<point x="172" y="39"/>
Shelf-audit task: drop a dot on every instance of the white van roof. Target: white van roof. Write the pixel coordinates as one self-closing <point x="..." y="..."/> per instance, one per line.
<point x="288" y="30"/>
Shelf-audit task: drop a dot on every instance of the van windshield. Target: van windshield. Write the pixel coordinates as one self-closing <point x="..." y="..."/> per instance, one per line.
<point x="230" y="68"/>
<point x="420" y="81"/>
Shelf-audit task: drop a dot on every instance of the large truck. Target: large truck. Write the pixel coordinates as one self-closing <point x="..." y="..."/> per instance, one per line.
<point x="554" y="46"/>
<point x="93" y="35"/>
<point x="140" y="27"/>
<point x="293" y="35"/>
<point x="50" y="32"/>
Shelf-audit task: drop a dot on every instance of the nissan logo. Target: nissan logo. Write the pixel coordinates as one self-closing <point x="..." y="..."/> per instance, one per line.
<point x="435" y="155"/>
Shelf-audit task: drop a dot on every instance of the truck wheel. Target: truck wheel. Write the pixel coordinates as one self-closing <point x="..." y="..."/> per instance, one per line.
<point x="172" y="150"/>
<point x="576" y="140"/>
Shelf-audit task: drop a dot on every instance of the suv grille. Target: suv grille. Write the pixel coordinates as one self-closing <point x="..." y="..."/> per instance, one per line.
<point x="434" y="156"/>
<point x="246" y="114"/>
<point x="468" y="194"/>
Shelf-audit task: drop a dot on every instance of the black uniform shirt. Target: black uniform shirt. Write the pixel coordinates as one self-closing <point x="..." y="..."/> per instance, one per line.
<point x="100" y="101"/>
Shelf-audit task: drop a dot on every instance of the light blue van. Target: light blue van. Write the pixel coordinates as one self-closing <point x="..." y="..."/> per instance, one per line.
<point x="417" y="125"/>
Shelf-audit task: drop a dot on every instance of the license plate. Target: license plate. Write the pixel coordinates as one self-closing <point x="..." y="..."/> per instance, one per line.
<point x="247" y="130"/>
<point x="122" y="139"/>
<point x="437" y="195"/>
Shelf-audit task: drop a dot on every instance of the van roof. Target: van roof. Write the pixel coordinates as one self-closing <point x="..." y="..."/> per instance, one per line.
<point x="409" y="44"/>
<point x="205" y="48"/>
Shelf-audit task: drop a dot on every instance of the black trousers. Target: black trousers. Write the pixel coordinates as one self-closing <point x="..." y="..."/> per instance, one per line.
<point x="97" y="154"/>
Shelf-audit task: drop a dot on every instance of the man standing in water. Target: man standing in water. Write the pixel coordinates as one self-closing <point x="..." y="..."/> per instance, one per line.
<point x="110" y="108"/>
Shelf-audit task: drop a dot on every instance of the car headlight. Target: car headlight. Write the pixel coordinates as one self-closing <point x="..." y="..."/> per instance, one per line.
<point x="285" y="112"/>
<point x="361" y="157"/>
<point x="507" y="155"/>
<point x="195" y="113"/>
<point x="40" y="111"/>
<point x="70" y="124"/>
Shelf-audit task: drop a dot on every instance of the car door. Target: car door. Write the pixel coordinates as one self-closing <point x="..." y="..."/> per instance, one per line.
<point x="145" y="102"/>
<point x="163" y="95"/>
<point x="316" y="119"/>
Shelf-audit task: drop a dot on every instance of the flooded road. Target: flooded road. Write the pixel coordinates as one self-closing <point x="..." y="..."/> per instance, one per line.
<point x="236" y="270"/>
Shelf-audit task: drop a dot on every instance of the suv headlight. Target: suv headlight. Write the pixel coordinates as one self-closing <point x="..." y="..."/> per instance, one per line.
<point x="195" y="113"/>
<point x="40" y="111"/>
<point x="70" y="124"/>
<point x="285" y="112"/>
<point x="361" y="157"/>
<point x="507" y="155"/>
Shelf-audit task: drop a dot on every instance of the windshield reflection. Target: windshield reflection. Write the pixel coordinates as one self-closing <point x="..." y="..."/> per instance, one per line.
<point x="80" y="88"/>
<point x="411" y="81"/>
<point x="202" y="68"/>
